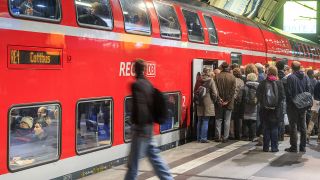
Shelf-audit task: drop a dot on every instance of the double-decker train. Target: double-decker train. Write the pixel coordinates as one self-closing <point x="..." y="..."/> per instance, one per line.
<point x="66" y="69"/>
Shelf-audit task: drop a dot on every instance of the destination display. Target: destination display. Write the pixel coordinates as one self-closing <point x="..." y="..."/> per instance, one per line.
<point x="35" y="57"/>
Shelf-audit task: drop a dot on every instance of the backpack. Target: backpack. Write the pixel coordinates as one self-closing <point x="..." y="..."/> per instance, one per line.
<point x="271" y="95"/>
<point x="160" y="110"/>
<point x="250" y="95"/>
<point x="199" y="95"/>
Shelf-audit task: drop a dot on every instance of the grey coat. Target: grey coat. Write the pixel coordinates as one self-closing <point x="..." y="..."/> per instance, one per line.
<point x="207" y="108"/>
<point x="250" y="111"/>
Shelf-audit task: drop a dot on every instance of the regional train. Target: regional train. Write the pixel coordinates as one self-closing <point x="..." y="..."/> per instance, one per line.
<point x="66" y="69"/>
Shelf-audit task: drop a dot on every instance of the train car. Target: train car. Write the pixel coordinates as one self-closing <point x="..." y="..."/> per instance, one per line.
<point x="66" y="69"/>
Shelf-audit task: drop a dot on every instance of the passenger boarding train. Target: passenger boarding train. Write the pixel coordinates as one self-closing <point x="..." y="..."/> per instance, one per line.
<point x="66" y="69"/>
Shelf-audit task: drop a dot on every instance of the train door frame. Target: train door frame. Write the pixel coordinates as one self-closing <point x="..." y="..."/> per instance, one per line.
<point x="197" y="66"/>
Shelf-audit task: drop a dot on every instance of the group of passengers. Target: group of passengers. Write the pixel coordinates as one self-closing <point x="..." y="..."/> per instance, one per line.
<point x="256" y="102"/>
<point x="27" y="129"/>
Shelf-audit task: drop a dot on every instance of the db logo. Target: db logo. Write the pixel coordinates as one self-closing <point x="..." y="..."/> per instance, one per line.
<point x="150" y="69"/>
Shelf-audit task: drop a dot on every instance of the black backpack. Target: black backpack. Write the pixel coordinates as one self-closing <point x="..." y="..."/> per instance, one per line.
<point x="271" y="95"/>
<point x="251" y="95"/>
<point x="199" y="95"/>
<point x="160" y="110"/>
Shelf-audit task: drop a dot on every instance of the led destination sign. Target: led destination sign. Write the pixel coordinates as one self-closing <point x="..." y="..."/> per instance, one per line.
<point x="34" y="57"/>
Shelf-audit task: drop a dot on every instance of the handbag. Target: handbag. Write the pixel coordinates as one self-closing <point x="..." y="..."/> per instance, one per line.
<point x="303" y="100"/>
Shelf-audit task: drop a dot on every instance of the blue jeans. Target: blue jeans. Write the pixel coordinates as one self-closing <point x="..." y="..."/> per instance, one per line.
<point x="142" y="144"/>
<point x="202" y="128"/>
<point x="270" y="134"/>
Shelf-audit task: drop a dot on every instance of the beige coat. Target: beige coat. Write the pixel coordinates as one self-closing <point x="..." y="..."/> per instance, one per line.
<point x="207" y="109"/>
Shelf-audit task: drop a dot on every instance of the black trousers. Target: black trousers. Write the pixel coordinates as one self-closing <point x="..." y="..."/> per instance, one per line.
<point x="297" y="120"/>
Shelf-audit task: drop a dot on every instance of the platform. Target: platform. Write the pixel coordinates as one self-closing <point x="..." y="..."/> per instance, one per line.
<point x="232" y="160"/>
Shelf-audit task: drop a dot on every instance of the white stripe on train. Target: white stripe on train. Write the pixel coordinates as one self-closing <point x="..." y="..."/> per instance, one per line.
<point x="49" y="28"/>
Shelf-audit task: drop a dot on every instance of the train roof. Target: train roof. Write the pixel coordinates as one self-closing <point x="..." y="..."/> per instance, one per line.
<point x="238" y="18"/>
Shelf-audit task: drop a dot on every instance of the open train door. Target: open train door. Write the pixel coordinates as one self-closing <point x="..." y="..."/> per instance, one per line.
<point x="197" y="67"/>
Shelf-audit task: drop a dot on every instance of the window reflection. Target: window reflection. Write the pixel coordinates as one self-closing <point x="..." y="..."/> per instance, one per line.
<point x="135" y="16"/>
<point x="33" y="135"/>
<point x="211" y="30"/>
<point x="169" y="23"/>
<point x="195" y="31"/>
<point x="49" y="9"/>
<point x="94" y="120"/>
<point x="173" y="119"/>
<point x="127" y="118"/>
<point x="94" y="13"/>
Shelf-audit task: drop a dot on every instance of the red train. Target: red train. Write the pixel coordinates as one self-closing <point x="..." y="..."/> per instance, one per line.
<point x="66" y="67"/>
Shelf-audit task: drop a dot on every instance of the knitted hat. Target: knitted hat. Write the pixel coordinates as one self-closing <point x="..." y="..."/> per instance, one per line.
<point x="28" y="120"/>
<point x="252" y="77"/>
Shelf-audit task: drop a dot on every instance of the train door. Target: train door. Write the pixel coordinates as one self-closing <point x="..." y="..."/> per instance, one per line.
<point x="197" y="67"/>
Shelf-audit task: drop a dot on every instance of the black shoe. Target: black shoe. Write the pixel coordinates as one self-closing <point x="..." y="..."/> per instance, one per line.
<point x="265" y="150"/>
<point x="302" y="149"/>
<point x="275" y="150"/>
<point x="291" y="150"/>
<point x="204" y="141"/>
<point x="224" y="140"/>
<point x="217" y="140"/>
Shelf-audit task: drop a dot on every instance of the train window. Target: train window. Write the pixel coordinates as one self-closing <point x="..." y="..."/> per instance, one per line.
<point x="94" y="124"/>
<point x="236" y="58"/>
<point x="310" y="52"/>
<point x="127" y="118"/>
<point x="94" y="13"/>
<point x="173" y="119"/>
<point x="211" y="30"/>
<point x="169" y="23"/>
<point x="39" y="9"/>
<point x="34" y="135"/>
<point x="195" y="30"/>
<point x="136" y="17"/>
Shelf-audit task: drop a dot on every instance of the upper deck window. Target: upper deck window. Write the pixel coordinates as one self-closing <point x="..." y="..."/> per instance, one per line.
<point x="94" y="13"/>
<point x="38" y="9"/>
<point x="195" y="31"/>
<point x="136" y="18"/>
<point x="211" y="30"/>
<point x="169" y="23"/>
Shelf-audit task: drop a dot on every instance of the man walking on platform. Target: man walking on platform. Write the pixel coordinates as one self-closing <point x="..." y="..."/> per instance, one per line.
<point x="297" y="85"/>
<point x="142" y="129"/>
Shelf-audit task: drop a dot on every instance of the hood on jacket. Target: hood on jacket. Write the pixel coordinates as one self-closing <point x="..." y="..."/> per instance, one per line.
<point x="252" y="84"/>
<point x="299" y="74"/>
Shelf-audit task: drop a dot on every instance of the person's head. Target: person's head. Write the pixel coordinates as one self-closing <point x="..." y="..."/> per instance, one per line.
<point x="252" y="77"/>
<point x="225" y="66"/>
<point x="26" y="122"/>
<point x="216" y="71"/>
<point x="237" y="72"/>
<point x="42" y="111"/>
<point x="139" y="67"/>
<point x="97" y="8"/>
<point x="280" y="65"/>
<point x="206" y="72"/>
<point x="259" y="67"/>
<point x="286" y="70"/>
<point x="37" y="129"/>
<point x="251" y="68"/>
<point x="273" y="71"/>
<point x="310" y="73"/>
<point x="295" y="66"/>
<point x="235" y="65"/>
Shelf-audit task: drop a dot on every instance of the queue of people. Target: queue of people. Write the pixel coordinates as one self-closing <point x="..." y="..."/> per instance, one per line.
<point x="259" y="103"/>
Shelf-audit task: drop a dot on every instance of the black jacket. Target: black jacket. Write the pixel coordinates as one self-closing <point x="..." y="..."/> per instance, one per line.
<point x="142" y="91"/>
<point x="296" y="83"/>
<point x="317" y="91"/>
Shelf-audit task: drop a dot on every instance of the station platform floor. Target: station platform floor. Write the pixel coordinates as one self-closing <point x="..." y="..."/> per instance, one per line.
<point x="231" y="160"/>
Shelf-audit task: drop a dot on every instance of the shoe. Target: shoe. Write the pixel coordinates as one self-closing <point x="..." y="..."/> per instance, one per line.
<point x="224" y="140"/>
<point x="302" y="149"/>
<point x="265" y="150"/>
<point x="275" y="150"/>
<point x="217" y="140"/>
<point x="204" y="141"/>
<point x="291" y="150"/>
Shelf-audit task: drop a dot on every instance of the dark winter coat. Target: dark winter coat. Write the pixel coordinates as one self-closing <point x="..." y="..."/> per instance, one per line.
<point x="317" y="91"/>
<point x="142" y="98"/>
<point x="296" y="83"/>
<point x="250" y="111"/>
<point x="226" y="85"/>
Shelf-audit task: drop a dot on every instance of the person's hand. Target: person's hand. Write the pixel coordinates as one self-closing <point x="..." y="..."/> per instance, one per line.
<point x="225" y="103"/>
